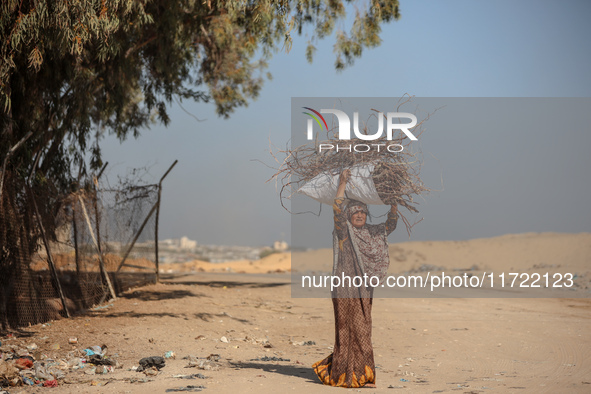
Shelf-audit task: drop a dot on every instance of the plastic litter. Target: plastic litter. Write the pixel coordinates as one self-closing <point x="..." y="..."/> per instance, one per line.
<point x="152" y="371"/>
<point x="192" y="376"/>
<point x="76" y="363"/>
<point x="403" y="380"/>
<point x="209" y="365"/>
<point x="97" y="359"/>
<point x="303" y="343"/>
<point x="267" y="358"/>
<point x="98" y="308"/>
<point x="8" y="372"/>
<point x="154" y="361"/>
<point x="41" y="372"/>
<point x="170" y="354"/>
<point x="104" y="369"/>
<point x="186" y="388"/>
<point x="23" y="363"/>
<point x="50" y="383"/>
<point x="101" y="351"/>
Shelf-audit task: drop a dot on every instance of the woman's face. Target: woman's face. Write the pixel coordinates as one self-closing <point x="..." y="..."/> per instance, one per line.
<point x="358" y="219"/>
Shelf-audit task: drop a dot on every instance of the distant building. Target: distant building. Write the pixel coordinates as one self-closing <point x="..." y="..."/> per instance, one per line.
<point x="186" y="243"/>
<point x="280" y="246"/>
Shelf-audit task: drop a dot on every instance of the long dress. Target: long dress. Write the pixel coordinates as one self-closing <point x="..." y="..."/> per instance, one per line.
<point x="352" y="362"/>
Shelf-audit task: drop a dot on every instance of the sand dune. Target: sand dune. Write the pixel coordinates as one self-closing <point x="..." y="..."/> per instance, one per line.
<point x="504" y="253"/>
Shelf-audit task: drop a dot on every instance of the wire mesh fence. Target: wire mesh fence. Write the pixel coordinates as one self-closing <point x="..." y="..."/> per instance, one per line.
<point x="103" y="243"/>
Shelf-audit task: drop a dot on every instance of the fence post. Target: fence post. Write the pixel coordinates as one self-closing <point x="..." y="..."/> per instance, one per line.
<point x="101" y="262"/>
<point x="156" y="234"/>
<point x="49" y="258"/>
<point x="76" y="253"/>
<point x="158" y="220"/>
<point x="96" y="210"/>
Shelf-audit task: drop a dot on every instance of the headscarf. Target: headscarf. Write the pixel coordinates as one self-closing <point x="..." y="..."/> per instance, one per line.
<point x="355" y="206"/>
<point x="369" y="242"/>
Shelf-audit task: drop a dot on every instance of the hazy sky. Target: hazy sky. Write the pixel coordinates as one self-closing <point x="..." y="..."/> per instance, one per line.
<point x="532" y="181"/>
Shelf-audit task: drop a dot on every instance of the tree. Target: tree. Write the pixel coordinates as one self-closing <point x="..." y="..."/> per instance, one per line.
<point x="72" y="70"/>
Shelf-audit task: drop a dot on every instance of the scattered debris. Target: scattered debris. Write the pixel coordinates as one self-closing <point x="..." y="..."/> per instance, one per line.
<point x="170" y="354"/>
<point x="186" y="388"/>
<point x="97" y="359"/>
<point x="99" y="350"/>
<point x="267" y="358"/>
<point x="152" y="371"/>
<point x="50" y="383"/>
<point x="98" y="308"/>
<point x="192" y="376"/>
<point x="148" y="362"/>
<point x="302" y="343"/>
<point x="209" y="363"/>
<point x="137" y="380"/>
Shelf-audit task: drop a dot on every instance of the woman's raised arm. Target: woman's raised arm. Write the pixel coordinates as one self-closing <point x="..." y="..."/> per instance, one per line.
<point x="340" y="220"/>
<point x="392" y="219"/>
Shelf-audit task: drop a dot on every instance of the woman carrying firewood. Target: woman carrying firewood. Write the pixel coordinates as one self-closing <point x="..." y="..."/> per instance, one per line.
<point x="360" y="251"/>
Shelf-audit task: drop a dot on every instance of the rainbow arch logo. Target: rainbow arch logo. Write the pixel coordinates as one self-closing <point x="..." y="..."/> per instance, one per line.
<point x="316" y="117"/>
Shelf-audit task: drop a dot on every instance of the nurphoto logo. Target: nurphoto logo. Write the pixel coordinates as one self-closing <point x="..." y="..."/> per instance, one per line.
<point x="344" y="130"/>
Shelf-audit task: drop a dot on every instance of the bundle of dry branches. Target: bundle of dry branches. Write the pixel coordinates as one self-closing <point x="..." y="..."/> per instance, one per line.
<point x="395" y="175"/>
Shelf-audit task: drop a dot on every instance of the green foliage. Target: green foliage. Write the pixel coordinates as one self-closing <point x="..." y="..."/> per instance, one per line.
<point x="73" y="70"/>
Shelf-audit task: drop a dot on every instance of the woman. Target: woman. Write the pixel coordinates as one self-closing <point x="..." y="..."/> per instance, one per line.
<point x="359" y="248"/>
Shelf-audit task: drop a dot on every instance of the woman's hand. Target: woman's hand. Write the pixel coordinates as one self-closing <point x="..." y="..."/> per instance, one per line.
<point x="343" y="179"/>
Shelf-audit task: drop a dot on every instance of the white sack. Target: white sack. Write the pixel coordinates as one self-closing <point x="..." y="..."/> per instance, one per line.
<point x="323" y="187"/>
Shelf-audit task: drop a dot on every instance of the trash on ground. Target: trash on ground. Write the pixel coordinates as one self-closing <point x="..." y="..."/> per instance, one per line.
<point x="208" y="364"/>
<point x="100" y="350"/>
<point x="97" y="359"/>
<point x="154" y="361"/>
<point x="267" y="358"/>
<point x="98" y="308"/>
<point x="23" y="363"/>
<point x="302" y="343"/>
<point x="186" y="388"/>
<point x="192" y="376"/>
<point x="50" y="383"/>
<point x="151" y="371"/>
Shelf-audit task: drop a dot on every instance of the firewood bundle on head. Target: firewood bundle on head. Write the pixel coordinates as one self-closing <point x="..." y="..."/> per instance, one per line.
<point x="390" y="167"/>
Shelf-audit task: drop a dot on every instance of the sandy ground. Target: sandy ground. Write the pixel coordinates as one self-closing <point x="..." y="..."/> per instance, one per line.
<point x="467" y="345"/>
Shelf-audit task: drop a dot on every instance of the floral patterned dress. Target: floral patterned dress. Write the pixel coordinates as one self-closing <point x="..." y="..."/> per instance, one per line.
<point x="357" y="252"/>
